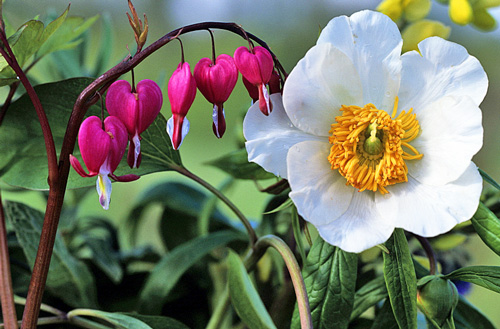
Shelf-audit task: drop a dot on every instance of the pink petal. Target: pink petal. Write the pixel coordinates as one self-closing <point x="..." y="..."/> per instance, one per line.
<point x="78" y="167"/>
<point x="181" y="89"/>
<point x="125" y="178"/>
<point x="123" y="104"/>
<point x="216" y="81"/>
<point x="150" y="102"/>
<point x="256" y="66"/>
<point x="94" y="144"/>
<point x="118" y="137"/>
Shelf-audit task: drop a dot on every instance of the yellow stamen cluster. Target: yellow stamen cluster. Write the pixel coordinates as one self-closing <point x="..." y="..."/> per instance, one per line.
<point x="369" y="146"/>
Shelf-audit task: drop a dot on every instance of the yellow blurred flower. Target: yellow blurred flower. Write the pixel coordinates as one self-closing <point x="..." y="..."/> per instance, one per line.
<point x="463" y="12"/>
<point x="418" y="31"/>
<point x="410" y="10"/>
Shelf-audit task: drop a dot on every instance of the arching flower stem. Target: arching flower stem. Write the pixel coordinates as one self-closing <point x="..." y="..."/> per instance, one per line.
<point x="88" y="97"/>
<point x="251" y="233"/>
<point x="429" y="252"/>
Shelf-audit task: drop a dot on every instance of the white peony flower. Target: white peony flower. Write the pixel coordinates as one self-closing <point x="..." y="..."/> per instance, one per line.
<point x="370" y="139"/>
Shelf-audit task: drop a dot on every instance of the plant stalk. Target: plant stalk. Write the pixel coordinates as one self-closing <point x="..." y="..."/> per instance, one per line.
<point x="6" y="292"/>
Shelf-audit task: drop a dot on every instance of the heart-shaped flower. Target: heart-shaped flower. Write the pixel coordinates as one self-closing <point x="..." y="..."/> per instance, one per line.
<point x="137" y="110"/>
<point x="102" y="149"/>
<point x="181" y="94"/>
<point x="216" y="82"/>
<point x="256" y="66"/>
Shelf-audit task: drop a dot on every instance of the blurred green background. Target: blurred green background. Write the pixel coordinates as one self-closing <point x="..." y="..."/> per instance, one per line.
<point x="290" y="28"/>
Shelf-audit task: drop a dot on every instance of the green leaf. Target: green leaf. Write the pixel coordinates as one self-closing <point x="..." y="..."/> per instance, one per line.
<point x="401" y="280"/>
<point x="182" y="205"/>
<point x="297" y="233"/>
<point x="94" y="241"/>
<point x="72" y="28"/>
<point x="22" y="145"/>
<point x="26" y="41"/>
<point x="120" y="320"/>
<point x="368" y="295"/>
<point x="174" y="264"/>
<point x="68" y="279"/>
<point x="487" y="226"/>
<point x="244" y="296"/>
<point x="330" y="278"/>
<point x="490" y="180"/>
<point x="466" y="316"/>
<point x="158" y="322"/>
<point x="484" y="276"/>
<point x="236" y="164"/>
<point x="385" y="318"/>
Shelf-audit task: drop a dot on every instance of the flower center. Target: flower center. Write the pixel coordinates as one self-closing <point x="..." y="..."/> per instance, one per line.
<point x="369" y="147"/>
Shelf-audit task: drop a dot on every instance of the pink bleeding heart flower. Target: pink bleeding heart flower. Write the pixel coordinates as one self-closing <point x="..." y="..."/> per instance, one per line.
<point x="102" y="151"/>
<point x="181" y="93"/>
<point x="256" y="66"/>
<point x="137" y="110"/>
<point x="216" y="82"/>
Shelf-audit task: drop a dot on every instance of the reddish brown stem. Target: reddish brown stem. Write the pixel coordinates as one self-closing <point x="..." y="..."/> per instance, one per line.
<point x="88" y="97"/>
<point x="6" y="291"/>
<point x="8" y="54"/>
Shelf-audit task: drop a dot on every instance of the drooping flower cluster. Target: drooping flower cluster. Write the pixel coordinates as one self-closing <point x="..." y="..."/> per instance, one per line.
<point x="103" y="144"/>
<point x="369" y="139"/>
<point x="216" y="80"/>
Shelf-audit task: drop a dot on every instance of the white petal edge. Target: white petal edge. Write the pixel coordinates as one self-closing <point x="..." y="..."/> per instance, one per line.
<point x="444" y="69"/>
<point x="432" y="210"/>
<point x="321" y="82"/>
<point x="270" y="137"/>
<point x="319" y="193"/>
<point x="359" y="228"/>
<point x="451" y="133"/>
<point x="373" y="42"/>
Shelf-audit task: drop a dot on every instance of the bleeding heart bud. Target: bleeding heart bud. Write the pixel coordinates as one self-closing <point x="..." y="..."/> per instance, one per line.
<point x="181" y="93"/>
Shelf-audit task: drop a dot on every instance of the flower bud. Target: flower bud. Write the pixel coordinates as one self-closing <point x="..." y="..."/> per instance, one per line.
<point x="256" y="66"/>
<point x="181" y="93"/>
<point x="437" y="298"/>
<point x="216" y="82"/>
<point x="137" y="110"/>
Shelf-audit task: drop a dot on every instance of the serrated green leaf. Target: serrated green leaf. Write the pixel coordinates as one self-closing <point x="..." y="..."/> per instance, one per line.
<point x="330" y="277"/>
<point x="158" y="322"/>
<point x="236" y="164"/>
<point x="174" y="264"/>
<point x="68" y="279"/>
<point x="24" y="160"/>
<point x="368" y="295"/>
<point x="466" y="316"/>
<point x="484" y="276"/>
<point x="487" y="226"/>
<point x="385" y="318"/>
<point x="400" y="280"/>
<point x="244" y="296"/>
<point x="72" y="28"/>
<point x="120" y="320"/>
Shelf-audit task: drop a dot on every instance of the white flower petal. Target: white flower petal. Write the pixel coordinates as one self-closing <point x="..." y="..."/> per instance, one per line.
<point x="431" y="210"/>
<point x="320" y="193"/>
<point x="323" y="81"/>
<point x="373" y="42"/>
<point x="451" y="133"/>
<point x="270" y="137"/>
<point x="359" y="228"/>
<point x="444" y="69"/>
